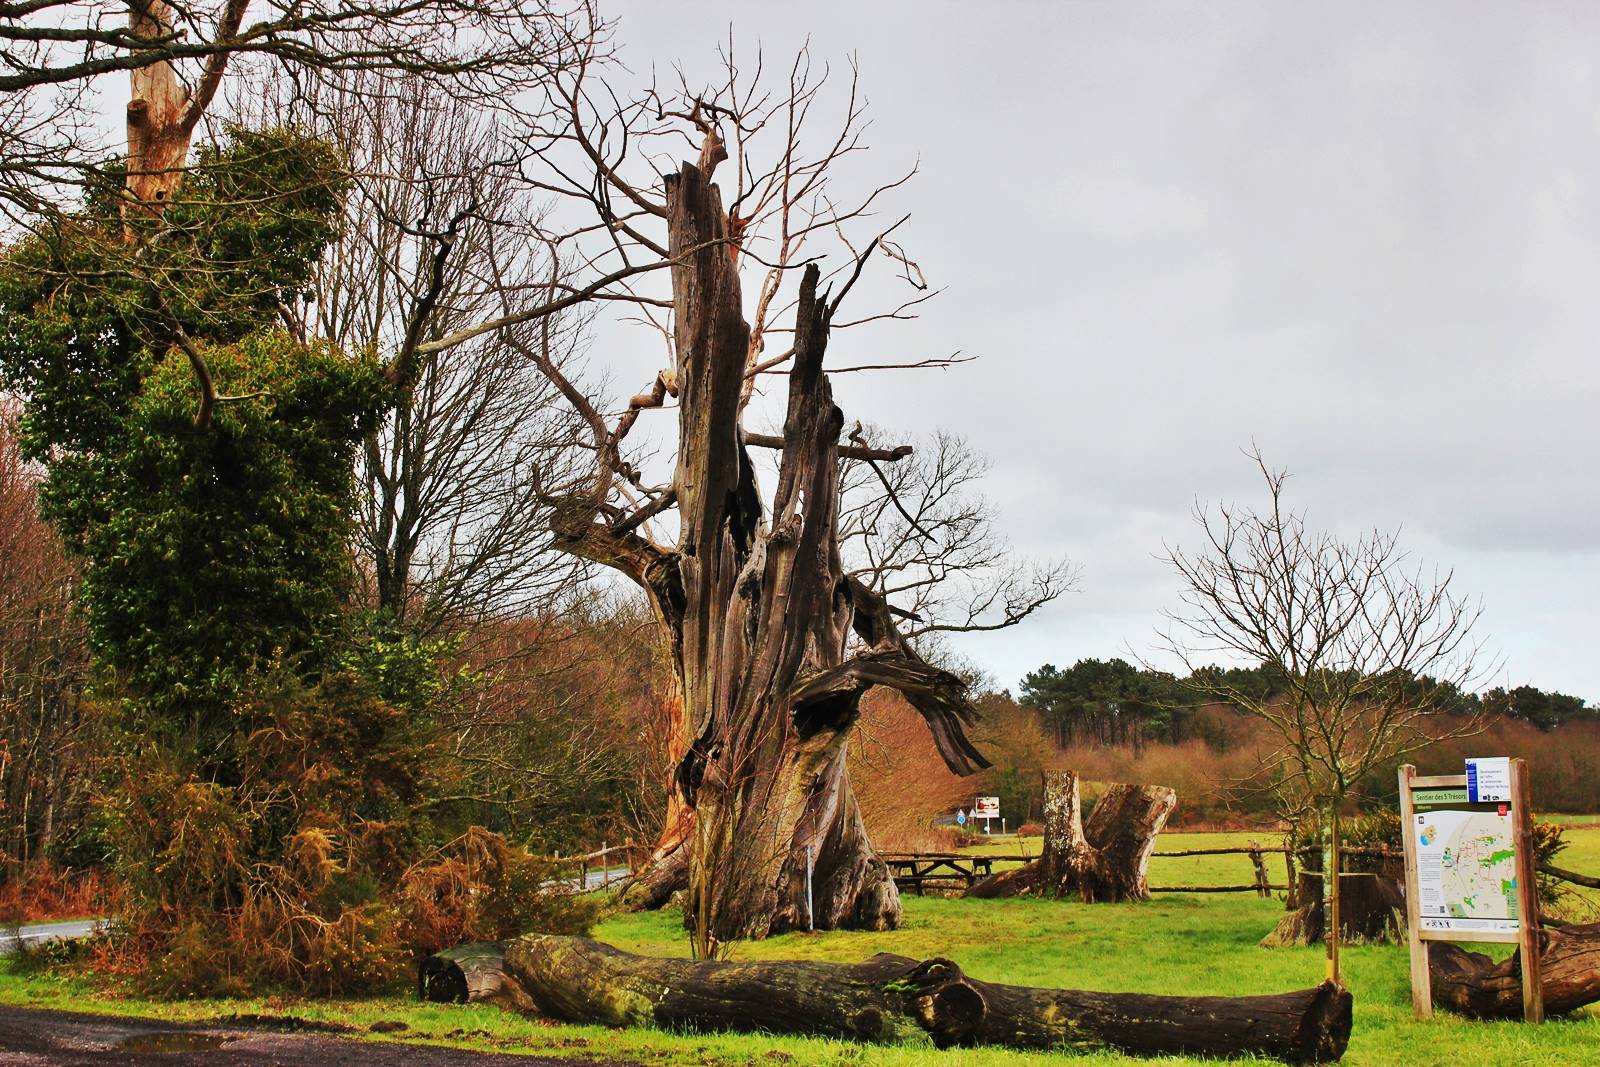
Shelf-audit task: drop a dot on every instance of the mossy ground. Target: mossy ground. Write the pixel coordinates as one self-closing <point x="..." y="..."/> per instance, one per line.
<point x="1186" y="944"/>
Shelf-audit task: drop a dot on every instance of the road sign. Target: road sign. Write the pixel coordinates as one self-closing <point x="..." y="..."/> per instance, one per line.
<point x="987" y="808"/>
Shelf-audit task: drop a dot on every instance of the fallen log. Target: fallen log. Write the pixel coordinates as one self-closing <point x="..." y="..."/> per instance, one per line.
<point x="1103" y="859"/>
<point x="1473" y="984"/>
<point x="892" y="998"/>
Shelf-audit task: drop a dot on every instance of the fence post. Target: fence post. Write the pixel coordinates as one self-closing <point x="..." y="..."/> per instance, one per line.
<point x="605" y="865"/>
<point x="1263" y="887"/>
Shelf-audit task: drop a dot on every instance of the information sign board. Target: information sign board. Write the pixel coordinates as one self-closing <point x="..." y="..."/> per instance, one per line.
<point x="1470" y="869"/>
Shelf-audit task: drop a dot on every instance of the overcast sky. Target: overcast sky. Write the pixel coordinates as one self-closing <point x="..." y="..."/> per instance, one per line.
<point x="1363" y="236"/>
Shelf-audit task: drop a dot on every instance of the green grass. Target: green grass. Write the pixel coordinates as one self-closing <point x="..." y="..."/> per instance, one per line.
<point x="1183" y="944"/>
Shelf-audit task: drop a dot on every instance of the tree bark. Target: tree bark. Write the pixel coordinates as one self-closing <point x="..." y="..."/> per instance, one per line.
<point x="1102" y="859"/>
<point x="1474" y="984"/>
<point x="1371" y="912"/>
<point x="893" y="998"/>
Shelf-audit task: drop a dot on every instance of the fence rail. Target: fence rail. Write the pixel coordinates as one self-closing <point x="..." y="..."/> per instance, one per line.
<point x="949" y="870"/>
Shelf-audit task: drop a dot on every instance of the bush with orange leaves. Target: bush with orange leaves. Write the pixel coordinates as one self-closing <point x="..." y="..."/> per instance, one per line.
<point x="480" y="887"/>
<point x="302" y="858"/>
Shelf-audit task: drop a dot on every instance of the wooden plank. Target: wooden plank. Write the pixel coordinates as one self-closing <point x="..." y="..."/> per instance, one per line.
<point x="1421" y="977"/>
<point x="1484" y="937"/>
<point x="1527" y="895"/>
<point x="1438" y="781"/>
<point x="1251" y="888"/>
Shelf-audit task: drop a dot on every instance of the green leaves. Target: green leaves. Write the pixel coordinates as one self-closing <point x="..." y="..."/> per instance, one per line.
<point x="209" y="551"/>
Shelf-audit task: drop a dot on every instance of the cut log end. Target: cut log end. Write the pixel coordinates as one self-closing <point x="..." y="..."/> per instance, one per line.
<point x="1473" y="984"/>
<point x="1325" y="1027"/>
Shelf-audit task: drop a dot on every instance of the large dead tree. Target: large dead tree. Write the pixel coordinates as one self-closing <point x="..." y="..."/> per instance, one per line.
<point x="887" y="998"/>
<point x="762" y="616"/>
<point x="1102" y="859"/>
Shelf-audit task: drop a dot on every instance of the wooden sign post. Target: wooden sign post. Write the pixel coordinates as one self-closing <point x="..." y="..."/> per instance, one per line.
<point x="1456" y="843"/>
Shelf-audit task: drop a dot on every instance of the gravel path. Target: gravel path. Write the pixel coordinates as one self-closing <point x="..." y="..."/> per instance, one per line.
<point x="31" y="1036"/>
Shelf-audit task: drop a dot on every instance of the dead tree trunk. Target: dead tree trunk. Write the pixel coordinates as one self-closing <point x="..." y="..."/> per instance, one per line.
<point x="892" y="998"/>
<point x="1370" y="912"/>
<point x="1474" y="984"/>
<point x="773" y="643"/>
<point x="1102" y="859"/>
<point x="162" y="114"/>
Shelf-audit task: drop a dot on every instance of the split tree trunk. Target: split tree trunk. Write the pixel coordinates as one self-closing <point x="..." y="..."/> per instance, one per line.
<point x="892" y="998"/>
<point x="1371" y="911"/>
<point x="763" y="620"/>
<point x="1474" y="984"/>
<point x="1102" y="859"/>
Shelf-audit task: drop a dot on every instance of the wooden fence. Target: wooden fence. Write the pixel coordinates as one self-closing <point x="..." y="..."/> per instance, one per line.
<point x="946" y="870"/>
<point x="602" y="858"/>
<point x="920" y="871"/>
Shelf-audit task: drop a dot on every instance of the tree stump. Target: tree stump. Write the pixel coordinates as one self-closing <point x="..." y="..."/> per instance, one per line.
<point x="1474" y="984"/>
<point x="1371" y="911"/>
<point x="892" y="998"/>
<point x="1101" y="859"/>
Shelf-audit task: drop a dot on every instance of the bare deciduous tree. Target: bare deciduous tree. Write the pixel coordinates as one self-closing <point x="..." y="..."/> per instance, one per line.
<point x="1371" y="651"/>
<point x="439" y="231"/>
<point x="920" y="532"/>
<point x="48" y="730"/>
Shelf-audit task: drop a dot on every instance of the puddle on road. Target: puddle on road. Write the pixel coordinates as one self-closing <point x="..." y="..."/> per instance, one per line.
<point x="172" y="1041"/>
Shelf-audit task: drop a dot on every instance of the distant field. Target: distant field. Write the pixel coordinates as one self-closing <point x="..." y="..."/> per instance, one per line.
<point x="1178" y="944"/>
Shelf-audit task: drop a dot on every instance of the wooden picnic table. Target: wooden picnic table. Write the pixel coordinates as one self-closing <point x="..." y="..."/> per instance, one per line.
<point x="916" y="870"/>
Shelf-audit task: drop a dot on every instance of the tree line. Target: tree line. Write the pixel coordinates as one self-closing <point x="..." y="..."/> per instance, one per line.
<point x="1114" y="702"/>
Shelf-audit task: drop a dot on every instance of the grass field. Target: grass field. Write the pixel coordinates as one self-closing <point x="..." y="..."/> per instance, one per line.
<point x="1180" y="943"/>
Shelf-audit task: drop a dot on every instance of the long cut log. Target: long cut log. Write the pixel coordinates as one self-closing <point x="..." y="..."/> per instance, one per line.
<point x="1474" y="984"/>
<point x="892" y="998"/>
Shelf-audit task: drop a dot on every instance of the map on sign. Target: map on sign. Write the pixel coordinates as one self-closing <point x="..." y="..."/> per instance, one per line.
<point x="1466" y="863"/>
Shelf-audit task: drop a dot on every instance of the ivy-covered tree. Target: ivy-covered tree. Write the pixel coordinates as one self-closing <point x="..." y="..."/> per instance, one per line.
<point x="211" y="518"/>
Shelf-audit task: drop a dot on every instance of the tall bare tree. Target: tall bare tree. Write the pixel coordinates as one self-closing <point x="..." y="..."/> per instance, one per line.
<point x="1370" y="651"/>
<point x="920" y="532"/>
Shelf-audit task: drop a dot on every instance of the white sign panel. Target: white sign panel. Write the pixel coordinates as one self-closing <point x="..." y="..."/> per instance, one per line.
<point x="987" y="808"/>
<point x="1466" y="870"/>
<point x="1489" y="780"/>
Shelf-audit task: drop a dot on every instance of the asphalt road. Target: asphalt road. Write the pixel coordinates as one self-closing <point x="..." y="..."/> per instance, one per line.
<point x="30" y="1037"/>
<point x="10" y="937"/>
